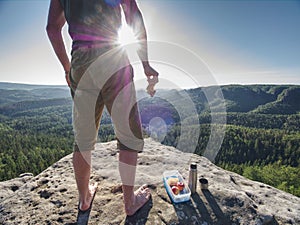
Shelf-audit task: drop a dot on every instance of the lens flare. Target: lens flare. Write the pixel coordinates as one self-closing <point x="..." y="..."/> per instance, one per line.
<point x="126" y="35"/>
<point x="127" y="39"/>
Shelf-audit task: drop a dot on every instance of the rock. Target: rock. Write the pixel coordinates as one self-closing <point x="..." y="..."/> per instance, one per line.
<point x="267" y="219"/>
<point x="51" y="197"/>
<point x="26" y="175"/>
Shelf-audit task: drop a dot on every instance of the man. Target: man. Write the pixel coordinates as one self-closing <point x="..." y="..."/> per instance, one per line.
<point x="93" y="27"/>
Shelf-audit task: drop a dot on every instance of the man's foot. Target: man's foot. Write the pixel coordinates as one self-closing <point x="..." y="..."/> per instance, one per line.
<point x="85" y="205"/>
<point x="141" y="196"/>
<point x="84" y="208"/>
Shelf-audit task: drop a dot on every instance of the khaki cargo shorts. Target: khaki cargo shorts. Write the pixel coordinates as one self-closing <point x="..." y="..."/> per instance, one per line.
<point x="103" y="77"/>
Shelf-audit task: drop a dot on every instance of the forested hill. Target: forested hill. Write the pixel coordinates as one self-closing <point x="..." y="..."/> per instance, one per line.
<point x="263" y="99"/>
<point x="267" y="99"/>
<point x="17" y="93"/>
<point x="262" y="138"/>
<point x="20" y="86"/>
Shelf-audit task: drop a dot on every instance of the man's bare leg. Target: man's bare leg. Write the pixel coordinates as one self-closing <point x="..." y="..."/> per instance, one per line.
<point x="82" y="170"/>
<point x="127" y="167"/>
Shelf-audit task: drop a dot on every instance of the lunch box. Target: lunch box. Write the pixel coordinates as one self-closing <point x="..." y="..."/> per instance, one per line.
<point x="183" y="195"/>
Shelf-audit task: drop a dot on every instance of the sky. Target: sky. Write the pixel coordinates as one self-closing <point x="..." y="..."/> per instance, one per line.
<point x="239" y="42"/>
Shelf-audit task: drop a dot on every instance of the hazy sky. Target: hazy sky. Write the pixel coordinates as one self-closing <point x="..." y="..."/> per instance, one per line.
<point x="242" y="42"/>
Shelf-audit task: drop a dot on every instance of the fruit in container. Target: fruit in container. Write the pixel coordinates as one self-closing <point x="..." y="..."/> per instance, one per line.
<point x="173" y="181"/>
<point x="175" y="190"/>
<point x="180" y="185"/>
<point x="173" y="187"/>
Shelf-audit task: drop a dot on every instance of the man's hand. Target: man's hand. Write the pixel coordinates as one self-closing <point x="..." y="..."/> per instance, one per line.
<point x="67" y="76"/>
<point x="152" y="78"/>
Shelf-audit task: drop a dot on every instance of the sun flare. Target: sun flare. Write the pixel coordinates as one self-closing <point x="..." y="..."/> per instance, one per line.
<point x="126" y="36"/>
<point x="129" y="42"/>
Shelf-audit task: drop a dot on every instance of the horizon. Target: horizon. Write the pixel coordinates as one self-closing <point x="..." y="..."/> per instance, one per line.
<point x="139" y="89"/>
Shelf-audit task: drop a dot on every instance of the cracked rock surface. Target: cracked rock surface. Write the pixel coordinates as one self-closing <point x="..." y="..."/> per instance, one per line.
<point x="51" y="196"/>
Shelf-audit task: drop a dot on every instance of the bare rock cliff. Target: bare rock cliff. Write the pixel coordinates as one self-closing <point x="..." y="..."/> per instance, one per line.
<point x="51" y="197"/>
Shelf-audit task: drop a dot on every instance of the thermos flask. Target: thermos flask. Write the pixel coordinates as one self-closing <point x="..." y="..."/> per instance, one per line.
<point x="193" y="177"/>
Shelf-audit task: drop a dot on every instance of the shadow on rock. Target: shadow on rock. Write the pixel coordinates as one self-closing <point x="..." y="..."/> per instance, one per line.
<point x="187" y="213"/>
<point x="220" y="217"/>
<point x="201" y="209"/>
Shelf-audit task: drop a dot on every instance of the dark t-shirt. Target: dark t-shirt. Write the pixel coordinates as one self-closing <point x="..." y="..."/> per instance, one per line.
<point x="92" y="21"/>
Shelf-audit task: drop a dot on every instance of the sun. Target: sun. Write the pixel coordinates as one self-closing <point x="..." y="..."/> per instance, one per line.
<point x="129" y="42"/>
<point x="126" y="36"/>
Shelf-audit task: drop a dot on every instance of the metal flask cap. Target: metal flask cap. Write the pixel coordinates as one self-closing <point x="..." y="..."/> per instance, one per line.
<point x="193" y="166"/>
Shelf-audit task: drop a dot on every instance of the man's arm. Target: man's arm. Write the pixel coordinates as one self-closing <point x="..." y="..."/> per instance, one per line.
<point x="135" y="20"/>
<point x="56" y="21"/>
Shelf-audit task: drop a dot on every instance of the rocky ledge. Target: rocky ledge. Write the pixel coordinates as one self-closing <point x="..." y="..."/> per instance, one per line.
<point x="51" y="197"/>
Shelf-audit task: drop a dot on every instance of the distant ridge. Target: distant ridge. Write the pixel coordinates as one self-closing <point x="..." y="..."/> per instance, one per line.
<point x="20" y="86"/>
<point x="264" y="99"/>
<point x="260" y="98"/>
<point x="12" y="93"/>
